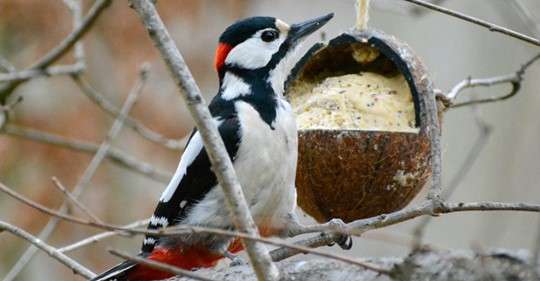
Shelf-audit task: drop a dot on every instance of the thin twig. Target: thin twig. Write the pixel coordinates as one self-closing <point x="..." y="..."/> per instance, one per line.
<point x="515" y="79"/>
<point x="320" y="240"/>
<point x="354" y="228"/>
<point x="78" y="67"/>
<point x="6" y="110"/>
<point x="51" y="251"/>
<point x="309" y="245"/>
<point x="419" y="11"/>
<point x="160" y="266"/>
<point x="98" y="237"/>
<point x="221" y="163"/>
<point x="478" y="146"/>
<point x="427" y="208"/>
<point x="81" y="26"/>
<point x="61" y="49"/>
<point x="74" y="200"/>
<point x="88" y="173"/>
<point x="278" y="242"/>
<point x="6" y="66"/>
<point x="132" y="123"/>
<point x="486" y="82"/>
<point x="492" y="27"/>
<point x="115" y="155"/>
<point x="71" y="69"/>
<point x="76" y="8"/>
<point x="527" y="17"/>
<point x="181" y="230"/>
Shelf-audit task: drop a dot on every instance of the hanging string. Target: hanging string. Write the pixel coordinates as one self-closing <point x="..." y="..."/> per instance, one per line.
<point x="362" y="14"/>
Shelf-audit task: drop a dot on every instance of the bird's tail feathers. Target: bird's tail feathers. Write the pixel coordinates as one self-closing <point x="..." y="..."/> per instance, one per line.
<point x="186" y="258"/>
<point x="117" y="273"/>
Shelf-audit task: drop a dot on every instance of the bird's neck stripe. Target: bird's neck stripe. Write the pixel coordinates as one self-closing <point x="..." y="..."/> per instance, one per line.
<point x="233" y="87"/>
<point x="222" y="51"/>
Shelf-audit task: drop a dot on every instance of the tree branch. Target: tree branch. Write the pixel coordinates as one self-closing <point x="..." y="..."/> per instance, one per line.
<point x="116" y="156"/>
<point x="136" y="125"/>
<point x="355" y="228"/>
<point x="74" y="200"/>
<point x="221" y="163"/>
<point x="182" y="230"/>
<point x="427" y="208"/>
<point x="52" y="252"/>
<point x="6" y="66"/>
<point x="492" y="27"/>
<point x="465" y="168"/>
<point x="70" y="69"/>
<point x="321" y="240"/>
<point x="62" y="48"/>
<point x="98" y="237"/>
<point x="88" y="173"/>
<point x="527" y="17"/>
<point x="515" y="79"/>
<point x="76" y="8"/>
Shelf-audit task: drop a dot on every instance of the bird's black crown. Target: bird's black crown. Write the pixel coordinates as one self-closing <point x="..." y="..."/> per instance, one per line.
<point x="241" y="30"/>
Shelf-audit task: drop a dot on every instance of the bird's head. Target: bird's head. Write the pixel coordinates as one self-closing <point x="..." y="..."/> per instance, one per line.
<point x="263" y="44"/>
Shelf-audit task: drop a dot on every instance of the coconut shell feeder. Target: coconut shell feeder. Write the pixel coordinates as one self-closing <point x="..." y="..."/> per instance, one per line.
<point x="354" y="170"/>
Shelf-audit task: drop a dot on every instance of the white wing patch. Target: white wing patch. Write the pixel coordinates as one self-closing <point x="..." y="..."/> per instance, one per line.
<point x="192" y="150"/>
<point x="159" y="221"/>
<point x="149" y="240"/>
<point x="233" y="87"/>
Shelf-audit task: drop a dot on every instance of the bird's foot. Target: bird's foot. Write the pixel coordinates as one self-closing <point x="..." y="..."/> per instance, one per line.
<point x="339" y="227"/>
<point x="236" y="260"/>
<point x="345" y="242"/>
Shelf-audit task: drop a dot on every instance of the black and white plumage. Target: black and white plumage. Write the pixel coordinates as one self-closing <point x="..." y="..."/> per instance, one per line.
<point x="257" y="126"/>
<point x="254" y="58"/>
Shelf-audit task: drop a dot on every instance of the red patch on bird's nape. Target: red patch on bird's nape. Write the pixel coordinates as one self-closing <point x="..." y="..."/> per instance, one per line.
<point x="222" y="51"/>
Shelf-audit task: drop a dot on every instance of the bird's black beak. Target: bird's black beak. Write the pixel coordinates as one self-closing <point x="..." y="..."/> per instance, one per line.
<point x="303" y="29"/>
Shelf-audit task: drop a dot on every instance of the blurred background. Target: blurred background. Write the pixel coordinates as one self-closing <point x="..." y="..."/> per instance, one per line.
<point x="507" y="169"/>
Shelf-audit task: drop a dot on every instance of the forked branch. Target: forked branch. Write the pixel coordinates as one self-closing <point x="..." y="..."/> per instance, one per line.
<point x="51" y="251"/>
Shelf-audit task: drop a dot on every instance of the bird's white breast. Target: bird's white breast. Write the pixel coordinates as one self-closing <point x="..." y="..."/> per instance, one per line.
<point x="266" y="161"/>
<point x="266" y="168"/>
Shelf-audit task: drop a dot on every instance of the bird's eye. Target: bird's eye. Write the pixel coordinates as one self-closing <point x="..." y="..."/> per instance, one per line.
<point x="269" y="35"/>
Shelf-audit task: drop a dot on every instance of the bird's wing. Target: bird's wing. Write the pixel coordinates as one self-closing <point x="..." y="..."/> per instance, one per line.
<point x="192" y="180"/>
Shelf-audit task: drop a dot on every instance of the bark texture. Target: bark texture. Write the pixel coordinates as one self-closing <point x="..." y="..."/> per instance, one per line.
<point x="421" y="265"/>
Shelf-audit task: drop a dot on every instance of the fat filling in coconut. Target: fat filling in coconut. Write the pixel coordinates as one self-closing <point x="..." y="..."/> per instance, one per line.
<point x="366" y="101"/>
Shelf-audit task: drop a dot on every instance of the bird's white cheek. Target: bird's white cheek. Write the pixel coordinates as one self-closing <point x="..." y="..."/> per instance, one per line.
<point x="249" y="55"/>
<point x="252" y="54"/>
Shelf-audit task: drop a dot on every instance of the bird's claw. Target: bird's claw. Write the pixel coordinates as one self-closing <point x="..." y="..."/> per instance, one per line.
<point x="235" y="259"/>
<point x="344" y="241"/>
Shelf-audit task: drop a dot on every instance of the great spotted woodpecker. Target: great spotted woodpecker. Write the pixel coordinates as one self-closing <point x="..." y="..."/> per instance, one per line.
<point x="253" y="59"/>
